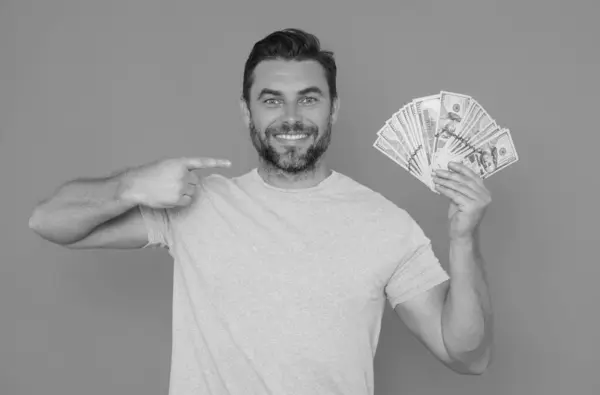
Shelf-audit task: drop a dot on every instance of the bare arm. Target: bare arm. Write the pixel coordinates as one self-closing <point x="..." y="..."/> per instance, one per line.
<point x="92" y="209"/>
<point x="454" y="319"/>
<point x="467" y="318"/>
<point x="104" y="212"/>
<point x="457" y="322"/>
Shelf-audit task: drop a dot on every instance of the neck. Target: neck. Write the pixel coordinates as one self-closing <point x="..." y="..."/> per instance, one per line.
<point x="280" y="179"/>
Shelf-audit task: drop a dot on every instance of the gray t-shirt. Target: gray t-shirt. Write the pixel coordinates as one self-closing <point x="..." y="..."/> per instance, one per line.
<point x="279" y="291"/>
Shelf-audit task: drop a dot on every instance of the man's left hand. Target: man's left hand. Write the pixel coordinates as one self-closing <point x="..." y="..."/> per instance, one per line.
<point x="469" y="198"/>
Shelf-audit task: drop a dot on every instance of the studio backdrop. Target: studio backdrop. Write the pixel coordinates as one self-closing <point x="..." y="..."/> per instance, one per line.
<point x="90" y="87"/>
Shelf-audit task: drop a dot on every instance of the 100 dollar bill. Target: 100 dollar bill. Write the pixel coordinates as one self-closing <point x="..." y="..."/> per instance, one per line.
<point x="490" y="156"/>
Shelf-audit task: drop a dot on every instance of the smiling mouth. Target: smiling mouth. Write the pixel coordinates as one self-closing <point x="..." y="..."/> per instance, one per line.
<point x="291" y="137"/>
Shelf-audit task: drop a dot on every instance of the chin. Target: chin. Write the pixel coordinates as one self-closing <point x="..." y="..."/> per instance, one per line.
<point x="293" y="166"/>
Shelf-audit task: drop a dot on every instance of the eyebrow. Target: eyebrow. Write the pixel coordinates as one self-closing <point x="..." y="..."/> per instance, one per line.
<point x="310" y="89"/>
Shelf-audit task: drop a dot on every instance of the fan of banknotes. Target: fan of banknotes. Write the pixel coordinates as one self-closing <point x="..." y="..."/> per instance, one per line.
<point x="432" y="131"/>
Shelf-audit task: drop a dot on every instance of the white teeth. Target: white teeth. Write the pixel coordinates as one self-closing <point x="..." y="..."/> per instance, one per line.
<point x="292" y="137"/>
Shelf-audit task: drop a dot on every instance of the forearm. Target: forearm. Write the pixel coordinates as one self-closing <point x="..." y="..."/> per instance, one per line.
<point x="79" y="206"/>
<point x="467" y="314"/>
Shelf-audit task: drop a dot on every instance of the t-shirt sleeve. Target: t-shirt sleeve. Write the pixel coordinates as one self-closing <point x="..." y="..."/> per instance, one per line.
<point x="418" y="271"/>
<point x="164" y="226"/>
<point x="159" y="225"/>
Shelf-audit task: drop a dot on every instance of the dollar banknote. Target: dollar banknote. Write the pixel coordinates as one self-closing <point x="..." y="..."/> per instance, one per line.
<point x="397" y="141"/>
<point x="428" y="113"/>
<point x="476" y="123"/>
<point x="478" y="136"/>
<point x="429" y="132"/>
<point x="453" y="107"/>
<point x="490" y="156"/>
<point x="383" y="146"/>
<point x="405" y="118"/>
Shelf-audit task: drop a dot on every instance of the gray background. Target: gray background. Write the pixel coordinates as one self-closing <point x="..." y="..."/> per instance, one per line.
<point x="88" y="87"/>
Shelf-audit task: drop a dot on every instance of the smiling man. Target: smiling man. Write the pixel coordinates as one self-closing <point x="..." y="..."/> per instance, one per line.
<point x="290" y="112"/>
<point x="281" y="274"/>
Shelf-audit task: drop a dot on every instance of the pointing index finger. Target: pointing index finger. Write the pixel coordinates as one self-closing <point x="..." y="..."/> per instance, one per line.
<point x="201" y="163"/>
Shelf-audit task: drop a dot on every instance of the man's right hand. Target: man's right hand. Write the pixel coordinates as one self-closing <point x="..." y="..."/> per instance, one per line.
<point x="166" y="183"/>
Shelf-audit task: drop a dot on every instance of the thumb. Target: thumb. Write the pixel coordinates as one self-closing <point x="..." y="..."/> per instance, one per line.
<point x="200" y="163"/>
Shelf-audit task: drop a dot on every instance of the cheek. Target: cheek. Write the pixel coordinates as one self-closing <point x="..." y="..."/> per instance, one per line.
<point x="319" y="117"/>
<point x="262" y="120"/>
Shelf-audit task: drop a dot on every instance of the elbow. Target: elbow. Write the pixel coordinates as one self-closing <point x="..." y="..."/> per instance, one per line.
<point x="35" y="222"/>
<point x="470" y="353"/>
<point x="480" y="367"/>
<point x="473" y="365"/>
<point x="38" y="219"/>
<point x="486" y="361"/>
<point x="40" y="226"/>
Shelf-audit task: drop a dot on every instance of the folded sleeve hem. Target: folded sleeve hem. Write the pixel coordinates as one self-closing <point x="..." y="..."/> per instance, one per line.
<point x="435" y="275"/>
<point x="153" y="220"/>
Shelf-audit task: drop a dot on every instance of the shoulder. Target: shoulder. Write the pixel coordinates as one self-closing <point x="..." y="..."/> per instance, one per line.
<point x="220" y="184"/>
<point x="208" y="189"/>
<point x="362" y="192"/>
<point x="214" y="182"/>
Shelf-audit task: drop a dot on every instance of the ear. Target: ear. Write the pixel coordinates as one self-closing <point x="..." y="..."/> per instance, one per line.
<point x="335" y="110"/>
<point x="245" y="112"/>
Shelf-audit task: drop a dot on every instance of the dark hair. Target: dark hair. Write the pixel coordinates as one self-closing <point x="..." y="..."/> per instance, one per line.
<point x="289" y="44"/>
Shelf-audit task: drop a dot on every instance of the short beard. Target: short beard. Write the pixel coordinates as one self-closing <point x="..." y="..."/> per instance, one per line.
<point x="291" y="162"/>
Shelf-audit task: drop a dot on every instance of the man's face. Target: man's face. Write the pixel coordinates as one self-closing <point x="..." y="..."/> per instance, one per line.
<point x="290" y="114"/>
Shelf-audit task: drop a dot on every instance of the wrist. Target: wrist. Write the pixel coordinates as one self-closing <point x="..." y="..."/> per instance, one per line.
<point x="124" y="188"/>
<point x="466" y="239"/>
<point x="463" y="240"/>
<point x="464" y="244"/>
<point x="464" y="252"/>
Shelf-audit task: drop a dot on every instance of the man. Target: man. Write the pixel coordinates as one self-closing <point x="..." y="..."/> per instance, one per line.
<point x="281" y="274"/>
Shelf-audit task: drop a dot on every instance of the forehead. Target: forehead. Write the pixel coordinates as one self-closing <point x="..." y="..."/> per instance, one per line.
<point x="289" y="76"/>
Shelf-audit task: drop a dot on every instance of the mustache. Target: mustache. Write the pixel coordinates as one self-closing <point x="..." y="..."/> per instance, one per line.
<point x="289" y="128"/>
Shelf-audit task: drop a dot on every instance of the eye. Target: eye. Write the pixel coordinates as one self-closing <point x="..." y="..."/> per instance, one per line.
<point x="309" y="100"/>
<point x="271" y="101"/>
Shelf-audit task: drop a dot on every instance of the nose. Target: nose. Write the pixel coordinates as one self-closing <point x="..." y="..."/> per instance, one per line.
<point x="291" y="112"/>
